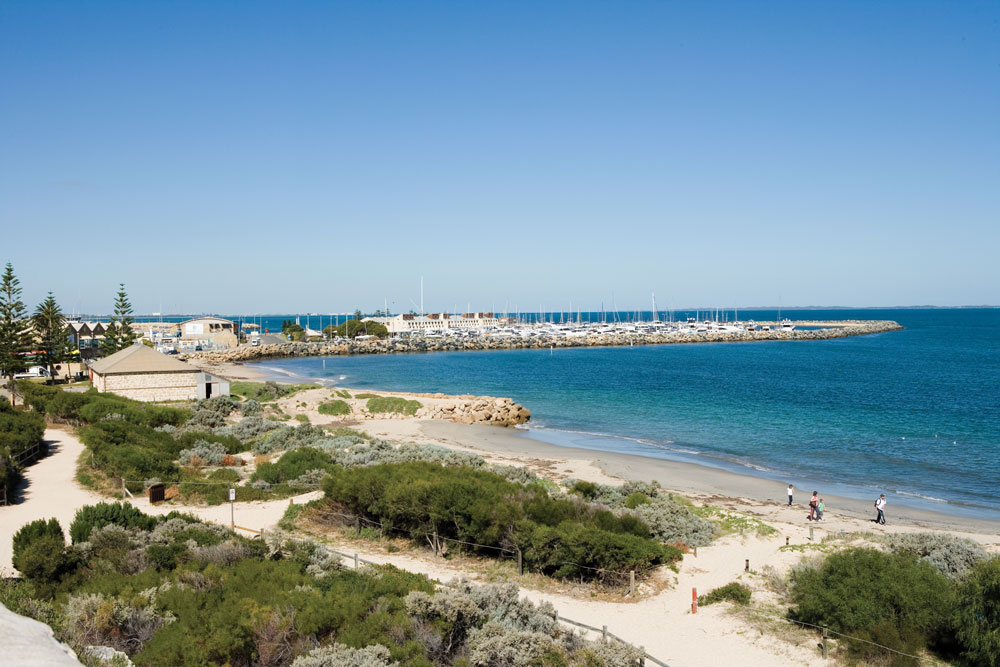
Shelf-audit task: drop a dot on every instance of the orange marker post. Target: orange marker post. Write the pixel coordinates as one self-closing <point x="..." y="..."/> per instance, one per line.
<point x="694" y="600"/>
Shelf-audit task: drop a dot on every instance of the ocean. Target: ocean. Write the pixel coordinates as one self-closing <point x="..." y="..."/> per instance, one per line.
<point x="914" y="414"/>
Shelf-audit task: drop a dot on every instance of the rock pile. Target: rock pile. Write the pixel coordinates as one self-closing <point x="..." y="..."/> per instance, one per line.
<point x="480" y="410"/>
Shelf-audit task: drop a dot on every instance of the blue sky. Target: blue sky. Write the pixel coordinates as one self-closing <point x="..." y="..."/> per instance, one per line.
<point x="315" y="156"/>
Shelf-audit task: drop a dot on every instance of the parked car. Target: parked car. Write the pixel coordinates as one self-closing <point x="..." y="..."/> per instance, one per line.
<point x="33" y="372"/>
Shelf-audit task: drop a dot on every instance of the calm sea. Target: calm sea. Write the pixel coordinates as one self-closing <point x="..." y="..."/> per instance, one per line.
<point x="913" y="413"/>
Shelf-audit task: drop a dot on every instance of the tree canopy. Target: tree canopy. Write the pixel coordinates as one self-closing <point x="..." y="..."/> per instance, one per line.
<point x="15" y="332"/>
<point x="119" y="333"/>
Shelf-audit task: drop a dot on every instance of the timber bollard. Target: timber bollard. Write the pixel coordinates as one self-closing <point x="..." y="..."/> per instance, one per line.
<point x="291" y="501"/>
<point x="631" y="582"/>
<point x="694" y="600"/>
<point x="604" y="633"/>
<point x="746" y="568"/>
<point x="825" y="654"/>
<point x="695" y="551"/>
<point x="520" y="563"/>
<point x="355" y="561"/>
<point x="786" y="541"/>
<point x="810" y="532"/>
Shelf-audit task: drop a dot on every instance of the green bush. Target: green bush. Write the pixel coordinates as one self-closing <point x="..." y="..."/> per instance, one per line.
<point x="292" y="465"/>
<point x="558" y="536"/>
<point x="224" y="475"/>
<point x="232" y="444"/>
<point x="977" y="617"/>
<point x="45" y="560"/>
<point x="952" y="556"/>
<point x="393" y="404"/>
<point x="336" y="407"/>
<point x="89" y="517"/>
<point x="895" y="600"/>
<point x="635" y="499"/>
<point x="365" y="395"/>
<point x="132" y="452"/>
<point x="266" y="391"/>
<point x="731" y="592"/>
<point x="30" y="532"/>
<point x="587" y="490"/>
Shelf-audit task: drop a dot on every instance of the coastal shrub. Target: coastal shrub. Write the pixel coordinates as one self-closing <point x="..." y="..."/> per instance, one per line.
<point x="558" y="536"/>
<point x="952" y="556"/>
<point x="672" y="521"/>
<point x="89" y="517"/>
<point x="977" y="619"/>
<point x="37" y="396"/>
<point x="895" y="600"/>
<point x="230" y="443"/>
<point x="393" y="405"/>
<point x="336" y="407"/>
<point x="288" y="437"/>
<point x="205" y="420"/>
<point x="339" y="655"/>
<point x="292" y="465"/>
<point x="366" y="395"/>
<point x="250" y="428"/>
<point x="30" y="532"/>
<point x="342" y="393"/>
<point x="221" y="405"/>
<point x="131" y="451"/>
<point x="94" y="619"/>
<point x="205" y="453"/>
<point x="250" y="408"/>
<point x="516" y="474"/>
<point x="19" y="432"/>
<point x="731" y="592"/>
<point x="46" y="560"/>
<point x="266" y="391"/>
<point x="587" y="490"/>
<point x="224" y="475"/>
<point x="635" y="499"/>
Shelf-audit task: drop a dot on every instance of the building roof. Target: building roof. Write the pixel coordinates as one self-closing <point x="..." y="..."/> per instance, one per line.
<point x="207" y="318"/>
<point x="140" y="359"/>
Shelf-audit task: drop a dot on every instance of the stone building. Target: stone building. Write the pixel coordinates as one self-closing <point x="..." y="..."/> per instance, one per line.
<point x="209" y="331"/>
<point x="141" y="373"/>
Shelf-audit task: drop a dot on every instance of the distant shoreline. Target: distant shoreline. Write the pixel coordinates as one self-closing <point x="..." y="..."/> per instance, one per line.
<point x="824" y="330"/>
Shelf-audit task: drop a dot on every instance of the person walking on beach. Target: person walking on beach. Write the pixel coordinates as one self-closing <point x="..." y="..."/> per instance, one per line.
<point x="791" y="489"/>
<point x="880" y="508"/>
<point x="813" y="504"/>
<point x="819" y="510"/>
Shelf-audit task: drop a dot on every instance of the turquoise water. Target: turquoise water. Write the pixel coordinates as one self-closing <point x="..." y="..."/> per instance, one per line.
<point x="913" y="413"/>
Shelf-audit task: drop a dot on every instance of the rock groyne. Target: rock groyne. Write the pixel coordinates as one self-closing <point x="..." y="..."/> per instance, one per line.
<point x="824" y="330"/>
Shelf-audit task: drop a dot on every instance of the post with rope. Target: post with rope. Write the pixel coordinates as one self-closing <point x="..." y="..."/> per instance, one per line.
<point x="825" y="654"/>
<point x="604" y="634"/>
<point x="631" y="582"/>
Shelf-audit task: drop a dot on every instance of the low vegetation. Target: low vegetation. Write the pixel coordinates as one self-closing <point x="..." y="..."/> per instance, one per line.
<point x="175" y="591"/>
<point x="393" y="405"/>
<point x="266" y="391"/>
<point x="732" y="592"/>
<point x="19" y="432"/>
<point x="559" y="537"/>
<point x="335" y="407"/>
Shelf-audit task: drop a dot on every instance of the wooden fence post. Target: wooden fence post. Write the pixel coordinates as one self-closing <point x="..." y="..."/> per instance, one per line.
<point x="631" y="582"/>
<point x="520" y="563"/>
<point x="355" y="561"/>
<point x="695" y="551"/>
<point x="694" y="600"/>
<point x="604" y="633"/>
<point x="746" y="568"/>
<point x="786" y="540"/>
<point x="825" y="654"/>
<point x="435" y="543"/>
<point x="810" y="533"/>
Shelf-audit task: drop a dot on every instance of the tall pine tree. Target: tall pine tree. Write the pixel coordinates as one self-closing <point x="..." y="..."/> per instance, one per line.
<point x="119" y="333"/>
<point x="50" y="329"/>
<point x="15" y="333"/>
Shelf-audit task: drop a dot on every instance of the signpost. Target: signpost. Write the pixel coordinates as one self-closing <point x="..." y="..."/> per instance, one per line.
<point x="232" y="510"/>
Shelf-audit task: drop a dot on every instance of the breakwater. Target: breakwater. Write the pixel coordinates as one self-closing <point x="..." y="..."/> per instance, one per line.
<point x="823" y="330"/>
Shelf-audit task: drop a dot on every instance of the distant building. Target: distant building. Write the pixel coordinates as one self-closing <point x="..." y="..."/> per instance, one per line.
<point x="86" y="336"/>
<point x="141" y="373"/>
<point x="208" y="332"/>
<point x="436" y="322"/>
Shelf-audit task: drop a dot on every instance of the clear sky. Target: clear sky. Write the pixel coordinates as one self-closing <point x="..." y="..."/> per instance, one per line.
<point x="246" y="157"/>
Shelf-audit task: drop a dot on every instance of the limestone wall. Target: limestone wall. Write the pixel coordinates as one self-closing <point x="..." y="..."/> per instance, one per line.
<point x="151" y="386"/>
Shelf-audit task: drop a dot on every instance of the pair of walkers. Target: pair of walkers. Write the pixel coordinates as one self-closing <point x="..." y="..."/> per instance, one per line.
<point x="816" y="505"/>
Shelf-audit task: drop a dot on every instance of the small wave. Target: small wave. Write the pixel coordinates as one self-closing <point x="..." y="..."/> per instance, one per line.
<point x="920" y="495"/>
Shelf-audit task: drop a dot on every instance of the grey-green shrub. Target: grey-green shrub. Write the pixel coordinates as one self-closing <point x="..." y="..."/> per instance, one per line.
<point x="211" y="453"/>
<point x="516" y="474"/>
<point x="731" y="592"/>
<point x="339" y="655"/>
<point x="670" y="520"/>
<point x="250" y="408"/>
<point x="952" y="556"/>
<point x="496" y="645"/>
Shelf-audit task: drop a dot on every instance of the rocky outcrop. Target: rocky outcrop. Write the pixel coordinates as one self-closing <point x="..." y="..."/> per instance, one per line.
<point x="824" y="331"/>
<point x="480" y="410"/>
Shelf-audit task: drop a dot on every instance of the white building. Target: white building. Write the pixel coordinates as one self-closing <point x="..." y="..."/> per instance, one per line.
<point x="436" y="322"/>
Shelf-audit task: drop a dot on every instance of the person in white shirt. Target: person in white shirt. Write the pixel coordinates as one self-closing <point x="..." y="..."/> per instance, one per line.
<point x="880" y="507"/>
<point x="791" y="489"/>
